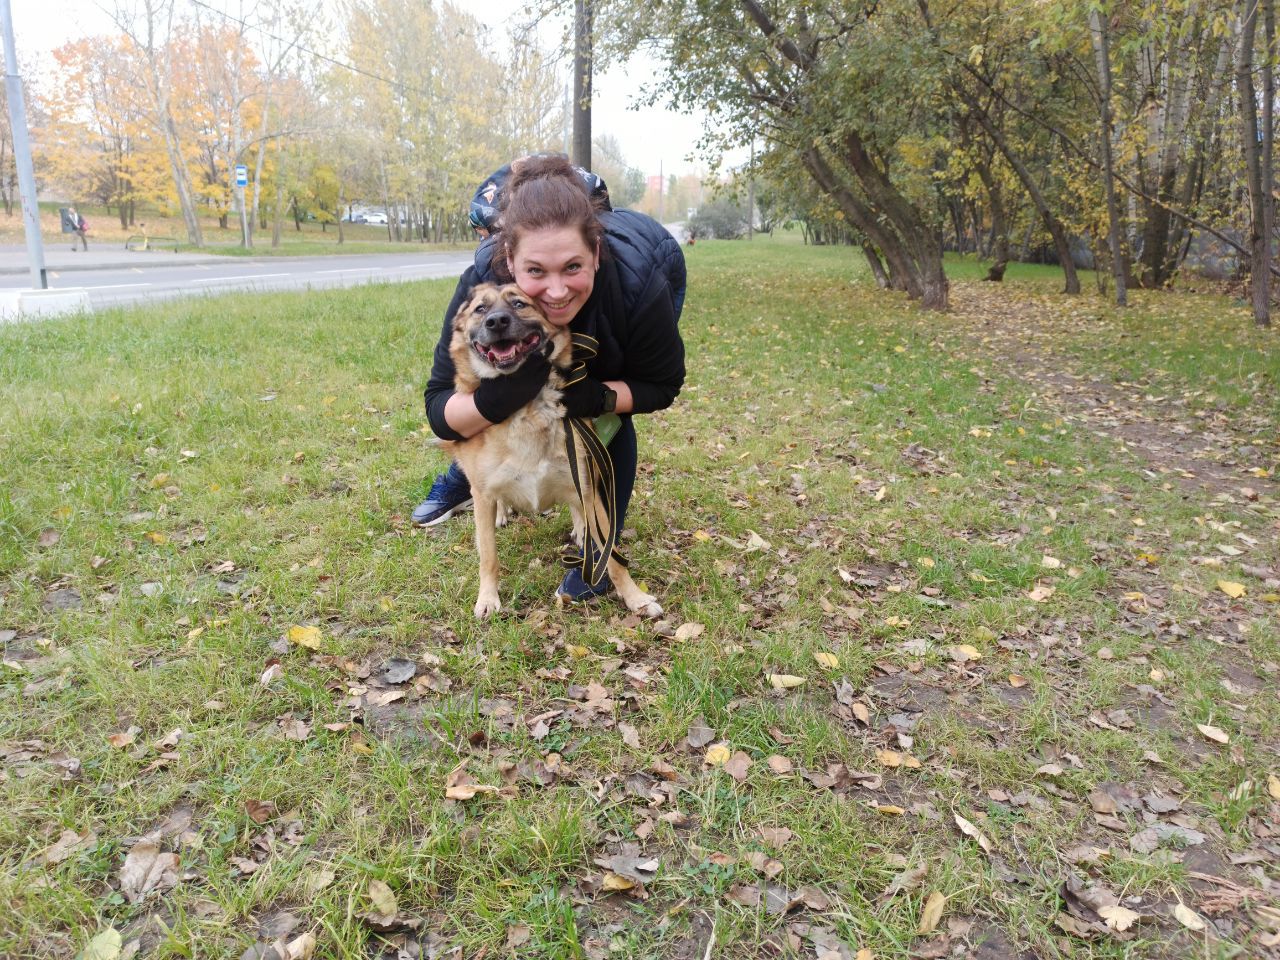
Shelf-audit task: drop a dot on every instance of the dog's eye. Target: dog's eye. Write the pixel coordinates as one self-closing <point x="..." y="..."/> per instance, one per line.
<point x="518" y="304"/>
<point x="481" y="307"/>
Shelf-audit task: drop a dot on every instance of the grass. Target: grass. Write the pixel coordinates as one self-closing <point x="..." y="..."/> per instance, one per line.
<point x="206" y="474"/>
<point x="307" y="239"/>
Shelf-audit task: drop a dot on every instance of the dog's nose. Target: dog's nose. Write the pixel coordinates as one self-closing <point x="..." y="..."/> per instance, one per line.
<point x="497" y="321"/>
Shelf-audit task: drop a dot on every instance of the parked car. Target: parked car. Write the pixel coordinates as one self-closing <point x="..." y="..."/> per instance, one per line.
<point x="375" y="218"/>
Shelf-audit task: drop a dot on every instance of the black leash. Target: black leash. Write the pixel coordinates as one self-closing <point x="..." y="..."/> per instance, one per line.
<point x="600" y="537"/>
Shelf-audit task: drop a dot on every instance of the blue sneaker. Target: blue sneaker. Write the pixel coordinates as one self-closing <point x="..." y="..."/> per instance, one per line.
<point x="450" y="493"/>
<point x="574" y="589"/>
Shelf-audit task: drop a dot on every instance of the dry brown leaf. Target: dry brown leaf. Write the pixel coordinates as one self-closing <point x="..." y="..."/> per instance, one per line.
<point x="121" y="740"/>
<point x="931" y="915"/>
<point x="690" y="631"/>
<point x="1041" y="593"/>
<point x="1018" y="680"/>
<point x="776" y="837"/>
<point x="738" y="765"/>
<point x="964" y="652"/>
<point x="780" y="764"/>
<point x="383" y="898"/>
<point x="146" y="869"/>
<point x="629" y="735"/>
<point x="1119" y="918"/>
<point x="1188" y="918"/>
<point x="68" y="842"/>
<point x="1215" y="734"/>
<point x="1273" y="786"/>
<point x="969" y="830"/>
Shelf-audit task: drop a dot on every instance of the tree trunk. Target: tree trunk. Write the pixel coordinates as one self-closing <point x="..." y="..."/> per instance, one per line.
<point x="1051" y="222"/>
<point x="1098" y="29"/>
<point x="877" y="268"/>
<point x="1254" y="151"/>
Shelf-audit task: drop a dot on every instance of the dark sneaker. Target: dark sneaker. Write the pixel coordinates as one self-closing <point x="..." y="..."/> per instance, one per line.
<point x="574" y="589"/>
<point x="450" y="493"/>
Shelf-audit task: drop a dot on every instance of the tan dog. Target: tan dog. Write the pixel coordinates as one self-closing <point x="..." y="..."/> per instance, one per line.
<point x="520" y="463"/>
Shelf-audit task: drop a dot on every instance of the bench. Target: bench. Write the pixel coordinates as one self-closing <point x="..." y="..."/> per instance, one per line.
<point x="142" y="242"/>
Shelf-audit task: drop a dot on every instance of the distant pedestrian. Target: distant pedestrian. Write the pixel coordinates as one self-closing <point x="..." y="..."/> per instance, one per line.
<point x="80" y="227"/>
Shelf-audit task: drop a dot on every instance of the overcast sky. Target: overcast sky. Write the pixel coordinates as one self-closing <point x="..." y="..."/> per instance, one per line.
<point x="649" y="137"/>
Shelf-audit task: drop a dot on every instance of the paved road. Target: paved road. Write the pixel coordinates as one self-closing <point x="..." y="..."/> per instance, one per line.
<point x="114" y="277"/>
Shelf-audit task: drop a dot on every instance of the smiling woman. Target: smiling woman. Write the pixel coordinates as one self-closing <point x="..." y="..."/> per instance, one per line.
<point x="613" y="277"/>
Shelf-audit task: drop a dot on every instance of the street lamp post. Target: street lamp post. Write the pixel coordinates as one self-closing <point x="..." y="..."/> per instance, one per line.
<point x="22" y="153"/>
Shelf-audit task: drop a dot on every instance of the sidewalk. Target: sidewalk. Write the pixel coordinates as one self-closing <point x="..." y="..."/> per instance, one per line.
<point x="60" y="258"/>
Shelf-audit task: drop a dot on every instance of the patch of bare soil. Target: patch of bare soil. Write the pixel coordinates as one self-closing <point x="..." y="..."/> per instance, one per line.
<point x="1197" y="449"/>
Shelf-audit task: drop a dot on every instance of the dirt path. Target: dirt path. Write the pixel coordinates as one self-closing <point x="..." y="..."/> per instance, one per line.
<point x="1199" y="449"/>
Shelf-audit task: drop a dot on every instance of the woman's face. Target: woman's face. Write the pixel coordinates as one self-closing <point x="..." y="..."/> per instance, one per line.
<point x="555" y="268"/>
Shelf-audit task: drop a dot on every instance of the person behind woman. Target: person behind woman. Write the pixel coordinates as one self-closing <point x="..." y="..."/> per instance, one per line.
<point x="617" y="276"/>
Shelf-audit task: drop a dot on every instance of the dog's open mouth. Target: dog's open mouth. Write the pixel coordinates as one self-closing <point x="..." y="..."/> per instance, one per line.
<point x="504" y="354"/>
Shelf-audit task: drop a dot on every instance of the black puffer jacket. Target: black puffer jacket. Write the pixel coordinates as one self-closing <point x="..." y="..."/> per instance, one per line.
<point x="633" y="312"/>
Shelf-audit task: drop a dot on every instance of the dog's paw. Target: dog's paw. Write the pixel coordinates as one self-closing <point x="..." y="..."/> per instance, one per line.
<point x="646" y="606"/>
<point x="487" y="606"/>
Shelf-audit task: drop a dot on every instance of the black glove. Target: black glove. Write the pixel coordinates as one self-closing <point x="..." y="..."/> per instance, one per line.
<point x="499" y="397"/>
<point x="585" y="399"/>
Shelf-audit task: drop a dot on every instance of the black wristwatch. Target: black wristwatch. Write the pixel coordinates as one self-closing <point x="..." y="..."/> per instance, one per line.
<point x="610" y="400"/>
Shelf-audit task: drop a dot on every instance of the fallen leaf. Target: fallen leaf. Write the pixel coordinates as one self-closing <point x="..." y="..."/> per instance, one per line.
<point x="926" y="562"/>
<point x="690" y="631"/>
<point x="68" y="842"/>
<point x="1018" y="680"/>
<point x="780" y="764"/>
<point x="964" y="652"/>
<point x="776" y="837"/>
<point x="1119" y="918"/>
<point x="828" y="661"/>
<point x="717" y="755"/>
<point x="105" y="945"/>
<point x="1232" y="589"/>
<point x="121" y="740"/>
<point x="260" y="811"/>
<point x="1050" y="563"/>
<point x="756" y="542"/>
<point x="1188" y="918"/>
<point x="630" y="736"/>
<point x="738" y="765"/>
<point x="614" y="882"/>
<point x="969" y="830"/>
<point x="699" y="734"/>
<point x="906" y="880"/>
<point x="1041" y="593"/>
<point x="784" y="681"/>
<point x="931" y="915"/>
<point x="383" y="898"/>
<point x="1213" y="733"/>
<point x="308" y="637"/>
<point x="1273" y="786"/>
<point x="146" y="869"/>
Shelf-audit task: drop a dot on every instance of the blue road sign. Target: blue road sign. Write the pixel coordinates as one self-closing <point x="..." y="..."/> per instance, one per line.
<point x="242" y="175"/>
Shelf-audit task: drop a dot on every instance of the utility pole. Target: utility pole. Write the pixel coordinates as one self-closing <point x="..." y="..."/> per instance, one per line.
<point x="22" y="153"/>
<point x="582" y="83"/>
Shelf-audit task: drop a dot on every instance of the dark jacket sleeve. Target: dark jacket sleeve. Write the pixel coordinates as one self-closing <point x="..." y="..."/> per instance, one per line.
<point x="440" y="386"/>
<point x="653" y="363"/>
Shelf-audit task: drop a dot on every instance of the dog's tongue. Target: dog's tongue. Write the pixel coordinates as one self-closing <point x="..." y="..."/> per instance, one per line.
<point x="501" y="354"/>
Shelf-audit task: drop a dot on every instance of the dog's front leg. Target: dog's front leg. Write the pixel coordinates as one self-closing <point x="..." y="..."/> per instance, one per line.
<point x="486" y="510"/>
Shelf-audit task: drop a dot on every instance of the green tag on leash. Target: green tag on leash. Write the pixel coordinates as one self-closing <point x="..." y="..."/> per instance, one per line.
<point x="607" y="425"/>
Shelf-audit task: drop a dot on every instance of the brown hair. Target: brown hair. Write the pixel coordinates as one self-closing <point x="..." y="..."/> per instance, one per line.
<point x="544" y="191"/>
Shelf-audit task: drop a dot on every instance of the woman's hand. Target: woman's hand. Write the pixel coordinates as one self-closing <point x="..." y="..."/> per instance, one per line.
<point x="497" y="398"/>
